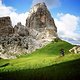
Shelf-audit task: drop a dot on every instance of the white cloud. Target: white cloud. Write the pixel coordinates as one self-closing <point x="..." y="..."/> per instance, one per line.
<point x="15" y="17"/>
<point x="10" y="11"/>
<point x="49" y="3"/>
<point x="67" y="26"/>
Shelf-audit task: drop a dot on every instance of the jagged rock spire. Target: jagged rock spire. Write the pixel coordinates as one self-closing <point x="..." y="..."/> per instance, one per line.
<point x="40" y="19"/>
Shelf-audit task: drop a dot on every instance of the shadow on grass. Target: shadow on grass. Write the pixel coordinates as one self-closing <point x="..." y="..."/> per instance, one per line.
<point x="64" y="71"/>
<point x="6" y="64"/>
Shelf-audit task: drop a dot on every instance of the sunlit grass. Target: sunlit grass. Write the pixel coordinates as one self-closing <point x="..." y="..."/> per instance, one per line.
<point x="40" y="59"/>
<point x="36" y="62"/>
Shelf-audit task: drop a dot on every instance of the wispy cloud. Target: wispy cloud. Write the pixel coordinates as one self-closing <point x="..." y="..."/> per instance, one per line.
<point x="49" y="3"/>
<point x="10" y="11"/>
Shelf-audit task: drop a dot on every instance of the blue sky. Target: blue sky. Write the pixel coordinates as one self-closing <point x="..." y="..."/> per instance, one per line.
<point x="19" y="5"/>
<point x="66" y="6"/>
<point x="66" y="14"/>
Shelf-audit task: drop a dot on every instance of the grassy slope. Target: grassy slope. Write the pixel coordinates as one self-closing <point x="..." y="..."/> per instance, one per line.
<point x="43" y="64"/>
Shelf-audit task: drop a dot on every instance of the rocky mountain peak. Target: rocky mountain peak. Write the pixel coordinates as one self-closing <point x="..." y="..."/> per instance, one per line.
<point x="40" y="19"/>
<point x="37" y="7"/>
<point x="39" y="30"/>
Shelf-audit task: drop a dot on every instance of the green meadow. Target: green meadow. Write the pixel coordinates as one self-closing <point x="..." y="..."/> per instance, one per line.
<point x="43" y="64"/>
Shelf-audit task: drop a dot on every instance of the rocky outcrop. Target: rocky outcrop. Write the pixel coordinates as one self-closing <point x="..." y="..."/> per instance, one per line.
<point x="13" y="41"/>
<point x="40" y="29"/>
<point x="5" y="26"/>
<point x="75" y="49"/>
<point x="21" y="30"/>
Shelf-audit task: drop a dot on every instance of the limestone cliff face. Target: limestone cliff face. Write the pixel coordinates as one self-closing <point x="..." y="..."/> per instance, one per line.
<point x="5" y="26"/>
<point x="40" y="22"/>
<point x="21" y="30"/>
<point x="13" y="41"/>
<point x="39" y="30"/>
<point x="41" y="27"/>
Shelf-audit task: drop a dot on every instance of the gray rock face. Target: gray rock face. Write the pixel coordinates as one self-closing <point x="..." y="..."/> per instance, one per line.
<point x="21" y="30"/>
<point x="5" y="26"/>
<point x="40" y="21"/>
<point x="13" y="41"/>
<point x="40" y="29"/>
<point x="13" y="45"/>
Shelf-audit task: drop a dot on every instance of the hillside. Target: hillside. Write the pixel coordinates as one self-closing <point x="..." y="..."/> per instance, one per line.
<point x="43" y="64"/>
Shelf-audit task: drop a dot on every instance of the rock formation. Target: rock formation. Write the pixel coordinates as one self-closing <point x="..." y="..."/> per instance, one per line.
<point x="40" y="22"/>
<point x="5" y="26"/>
<point x="21" y="30"/>
<point x="40" y="29"/>
<point x="41" y="26"/>
<point x="75" y="49"/>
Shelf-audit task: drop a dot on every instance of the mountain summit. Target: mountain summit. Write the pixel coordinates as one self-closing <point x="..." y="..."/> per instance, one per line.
<point x="40" y="19"/>
<point x="39" y="30"/>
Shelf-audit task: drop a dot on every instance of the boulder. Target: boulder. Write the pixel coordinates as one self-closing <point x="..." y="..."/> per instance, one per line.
<point x="75" y="49"/>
